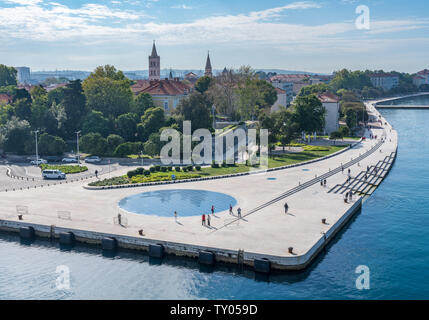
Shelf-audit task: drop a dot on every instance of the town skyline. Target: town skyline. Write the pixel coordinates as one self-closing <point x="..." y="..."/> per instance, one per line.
<point x="313" y="36"/>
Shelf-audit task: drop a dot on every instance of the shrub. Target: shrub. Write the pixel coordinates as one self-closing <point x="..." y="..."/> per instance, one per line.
<point x="214" y="164"/>
<point x="170" y="168"/>
<point x="128" y="148"/>
<point x="190" y="168"/>
<point x="157" y="168"/>
<point x="131" y="173"/>
<point x="185" y="169"/>
<point x="152" y="169"/>
<point x="146" y="172"/>
<point x="224" y="165"/>
<point x="178" y="169"/>
<point x="163" y="169"/>
<point x="139" y="170"/>
<point x="198" y="168"/>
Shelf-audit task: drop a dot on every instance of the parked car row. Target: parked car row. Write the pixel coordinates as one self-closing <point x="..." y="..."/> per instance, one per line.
<point x="50" y="159"/>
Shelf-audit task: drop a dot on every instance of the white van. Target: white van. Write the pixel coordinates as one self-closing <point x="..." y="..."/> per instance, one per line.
<point x="53" y="174"/>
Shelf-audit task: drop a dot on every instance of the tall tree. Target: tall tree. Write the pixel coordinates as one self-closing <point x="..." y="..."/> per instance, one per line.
<point x="108" y="91"/>
<point x="74" y="106"/>
<point x="141" y="103"/>
<point x="309" y="114"/>
<point x="197" y="108"/>
<point x="7" y="76"/>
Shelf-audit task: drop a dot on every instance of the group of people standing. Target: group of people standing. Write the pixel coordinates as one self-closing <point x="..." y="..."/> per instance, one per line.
<point x="205" y="218"/>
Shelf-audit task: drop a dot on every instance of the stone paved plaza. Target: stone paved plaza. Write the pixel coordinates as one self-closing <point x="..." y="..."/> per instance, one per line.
<point x="268" y="231"/>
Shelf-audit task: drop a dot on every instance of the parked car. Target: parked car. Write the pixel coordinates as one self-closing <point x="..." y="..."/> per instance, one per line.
<point x="53" y="174"/>
<point x="53" y="159"/>
<point x="93" y="159"/>
<point x="70" y="160"/>
<point x="39" y="162"/>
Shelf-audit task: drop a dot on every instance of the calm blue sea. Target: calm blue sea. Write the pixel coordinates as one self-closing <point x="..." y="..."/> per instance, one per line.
<point x="390" y="236"/>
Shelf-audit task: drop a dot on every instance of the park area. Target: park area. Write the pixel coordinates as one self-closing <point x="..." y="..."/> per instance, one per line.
<point x="168" y="173"/>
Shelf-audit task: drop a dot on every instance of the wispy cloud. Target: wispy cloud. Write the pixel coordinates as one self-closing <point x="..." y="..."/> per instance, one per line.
<point x="95" y="23"/>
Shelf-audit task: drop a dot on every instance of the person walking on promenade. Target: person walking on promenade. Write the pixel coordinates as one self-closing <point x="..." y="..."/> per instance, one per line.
<point x="208" y="220"/>
<point x="239" y="212"/>
<point x="96" y="173"/>
<point x="324" y="182"/>
<point x="175" y="216"/>
<point x="321" y="182"/>
<point x="349" y="172"/>
<point x="342" y="169"/>
<point x="119" y="219"/>
<point x="286" y="207"/>
<point x="203" y="220"/>
<point x="212" y="209"/>
<point x="230" y="209"/>
<point x="350" y="196"/>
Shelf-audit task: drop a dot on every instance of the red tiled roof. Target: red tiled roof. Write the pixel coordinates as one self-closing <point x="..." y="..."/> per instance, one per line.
<point x="328" y="98"/>
<point x="191" y="75"/>
<point x="5" y="98"/>
<point x="161" y="87"/>
<point x="423" y="72"/>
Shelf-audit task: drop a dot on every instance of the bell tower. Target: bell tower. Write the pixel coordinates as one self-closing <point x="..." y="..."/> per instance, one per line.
<point x="154" y="64"/>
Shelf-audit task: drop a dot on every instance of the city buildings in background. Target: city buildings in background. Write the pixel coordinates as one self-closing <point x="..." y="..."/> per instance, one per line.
<point x="385" y="81"/>
<point x="23" y="75"/>
<point x="421" y="78"/>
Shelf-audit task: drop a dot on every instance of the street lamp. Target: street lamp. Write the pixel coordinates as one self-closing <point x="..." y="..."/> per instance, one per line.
<point x="77" y="142"/>
<point x="37" y="150"/>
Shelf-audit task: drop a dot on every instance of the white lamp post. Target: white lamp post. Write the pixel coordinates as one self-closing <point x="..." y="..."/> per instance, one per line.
<point x="77" y="142"/>
<point x="37" y="150"/>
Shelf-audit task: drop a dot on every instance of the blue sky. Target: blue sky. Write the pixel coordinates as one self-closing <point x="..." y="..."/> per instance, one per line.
<point x="317" y="36"/>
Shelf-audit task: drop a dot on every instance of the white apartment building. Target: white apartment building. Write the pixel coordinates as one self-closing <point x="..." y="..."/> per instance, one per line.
<point x="332" y="105"/>
<point x="287" y="87"/>
<point x="385" y="81"/>
<point x="421" y="78"/>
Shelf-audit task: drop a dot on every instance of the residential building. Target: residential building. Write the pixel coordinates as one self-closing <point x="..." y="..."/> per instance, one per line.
<point x="298" y="80"/>
<point x="165" y="93"/>
<point x="422" y="77"/>
<point x="23" y="75"/>
<point x="281" y="100"/>
<point x="287" y="88"/>
<point x="332" y="105"/>
<point x="316" y="79"/>
<point x="191" y="77"/>
<point x="385" y="81"/>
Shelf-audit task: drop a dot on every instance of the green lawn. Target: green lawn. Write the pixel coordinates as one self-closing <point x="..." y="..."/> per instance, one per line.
<point x="273" y="162"/>
<point x="292" y="158"/>
<point x="67" y="169"/>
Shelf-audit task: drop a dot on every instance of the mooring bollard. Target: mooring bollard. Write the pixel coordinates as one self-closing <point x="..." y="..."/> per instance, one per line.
<point x="324" y="221"/>
<point x="20" y="217"/>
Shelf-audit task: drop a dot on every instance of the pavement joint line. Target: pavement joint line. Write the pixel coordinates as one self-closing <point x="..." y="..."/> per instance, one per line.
<point x="307" y="184"/>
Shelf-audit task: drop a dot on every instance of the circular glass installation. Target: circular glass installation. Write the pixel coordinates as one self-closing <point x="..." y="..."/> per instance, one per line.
<point x="186" y="202"/>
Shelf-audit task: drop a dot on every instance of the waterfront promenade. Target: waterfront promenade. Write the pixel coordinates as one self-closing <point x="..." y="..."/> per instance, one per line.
<point x="264" y="233"/>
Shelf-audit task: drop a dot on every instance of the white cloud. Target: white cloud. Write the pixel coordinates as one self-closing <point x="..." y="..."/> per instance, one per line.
<point x="95" y="23"/>
<point x="24" y="2"/>
<point x="181" y="6"/>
